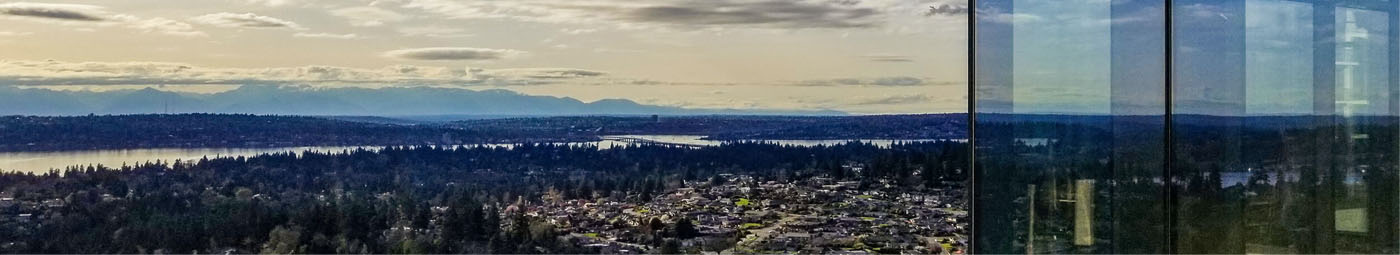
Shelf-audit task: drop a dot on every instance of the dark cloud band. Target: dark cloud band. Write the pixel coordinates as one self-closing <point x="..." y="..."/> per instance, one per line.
<point x="785" y="13"/>
<point x="946" y="10"/>
<point x="452" y="53"/>
<point x="68" y="12"/>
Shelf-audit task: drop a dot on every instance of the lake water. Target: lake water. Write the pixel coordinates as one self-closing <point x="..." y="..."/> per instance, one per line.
<point x="699" y="140"/>
<point x="39" y="162"/>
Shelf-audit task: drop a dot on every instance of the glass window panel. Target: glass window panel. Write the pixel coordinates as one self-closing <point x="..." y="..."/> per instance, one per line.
<point x="1070" y="101"/>
<point x="1362" y="216"/>
<point x="1279" y="134"/>
<point x="1284" y="109"/>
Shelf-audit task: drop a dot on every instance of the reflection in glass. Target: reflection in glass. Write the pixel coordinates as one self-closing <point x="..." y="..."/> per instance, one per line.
<point x="1273" y="138"/>
<point x="1279" y="134"/>
<point x="1070" y="102"/>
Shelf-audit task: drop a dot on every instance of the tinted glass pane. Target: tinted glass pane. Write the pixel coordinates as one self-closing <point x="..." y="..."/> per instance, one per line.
<point x="1363" y="181"/>
<point x="1070" y="103"/>
<point x="1278" y="135"/>
<point x="1284" y="126"/>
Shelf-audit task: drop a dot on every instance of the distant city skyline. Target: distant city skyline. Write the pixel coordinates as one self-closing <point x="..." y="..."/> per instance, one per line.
<point x="856" y="56"/>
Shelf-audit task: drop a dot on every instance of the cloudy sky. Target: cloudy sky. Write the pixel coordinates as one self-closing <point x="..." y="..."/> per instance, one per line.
<point x="860" y="56"/>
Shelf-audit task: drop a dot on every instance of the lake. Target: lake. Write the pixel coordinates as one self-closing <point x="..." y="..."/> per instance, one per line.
<point x="39" y="162"/>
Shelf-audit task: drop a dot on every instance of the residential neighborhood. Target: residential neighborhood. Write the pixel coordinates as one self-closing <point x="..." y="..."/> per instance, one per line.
<point x="739" y="214"/>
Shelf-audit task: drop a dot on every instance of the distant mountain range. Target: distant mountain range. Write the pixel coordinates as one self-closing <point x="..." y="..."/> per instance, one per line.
<point x="294" y="100"/>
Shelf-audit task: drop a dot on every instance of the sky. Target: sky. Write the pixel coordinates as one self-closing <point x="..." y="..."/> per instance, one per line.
<point x="857" y="56"/>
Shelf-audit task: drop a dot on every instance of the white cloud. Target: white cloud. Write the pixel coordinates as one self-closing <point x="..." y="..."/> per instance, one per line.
<point x="452" y="53"/>
<point x="892" y="81"/>
<point x="613" y="50"/>
<point x="270" y="3"/>
<point x="437" y="32"/>
<point x="579" y="31"/>
<point x="894" y="100"/>
<point x="13" y="33"/>
<point x="245" y="20"/>
<point x="40" y="73"/>
<point x="327" y="35"/>
<point x="548" y="73"/>
<point x="164" y="26"/>
<point x="887" y="58"/>
<point x="367" y="16"/>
